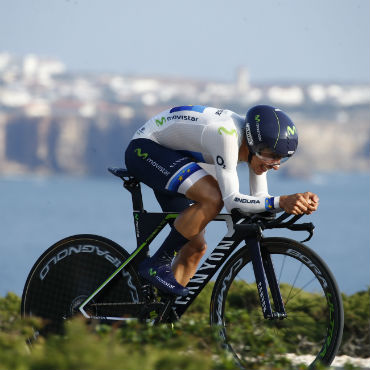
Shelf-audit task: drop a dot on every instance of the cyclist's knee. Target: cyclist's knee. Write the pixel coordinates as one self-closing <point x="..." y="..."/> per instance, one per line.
<point x="213" y="200"/>
<point x="195" y="247"/>
<point x="198" y="244"/>
<point x="207" y="192"/>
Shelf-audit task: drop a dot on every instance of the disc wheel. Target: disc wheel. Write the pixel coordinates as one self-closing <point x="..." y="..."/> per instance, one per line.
<point x="69" y="272"/>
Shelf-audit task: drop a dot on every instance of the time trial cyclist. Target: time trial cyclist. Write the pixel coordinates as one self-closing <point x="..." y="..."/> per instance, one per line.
<point x="167" y="153"/>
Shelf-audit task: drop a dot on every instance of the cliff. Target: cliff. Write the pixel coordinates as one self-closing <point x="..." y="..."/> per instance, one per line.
<point x="52" y="120"/>
<point x="77" y="145"/>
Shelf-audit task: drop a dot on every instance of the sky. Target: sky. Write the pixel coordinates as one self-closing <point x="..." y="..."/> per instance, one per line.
<point x="277" y="40"/>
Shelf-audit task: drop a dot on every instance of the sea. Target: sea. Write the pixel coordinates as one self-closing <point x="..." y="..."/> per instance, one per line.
<point x="37" y="211"/>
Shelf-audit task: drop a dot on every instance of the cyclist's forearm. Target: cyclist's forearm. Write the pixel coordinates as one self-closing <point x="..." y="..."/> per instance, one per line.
<point x="229" y="186"/>
<point x="250" y="204"/>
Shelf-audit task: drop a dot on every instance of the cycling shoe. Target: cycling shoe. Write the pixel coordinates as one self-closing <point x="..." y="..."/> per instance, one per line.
<point x="161" y="276"/>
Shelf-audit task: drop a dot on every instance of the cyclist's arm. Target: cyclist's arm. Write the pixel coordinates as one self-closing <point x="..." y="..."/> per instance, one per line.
<point x="258" y="184"/>
<point x="224" y="150"/>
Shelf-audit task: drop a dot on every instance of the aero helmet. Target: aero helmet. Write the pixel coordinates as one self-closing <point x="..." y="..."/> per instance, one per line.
<point x="269" y="127"/>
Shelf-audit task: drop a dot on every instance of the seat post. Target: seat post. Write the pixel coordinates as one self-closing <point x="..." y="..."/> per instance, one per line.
<point x="133" y="186"/>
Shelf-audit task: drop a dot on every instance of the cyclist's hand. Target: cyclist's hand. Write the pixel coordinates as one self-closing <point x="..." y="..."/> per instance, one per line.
<point x="299" y="203"/>
<point x="312" y="200"/>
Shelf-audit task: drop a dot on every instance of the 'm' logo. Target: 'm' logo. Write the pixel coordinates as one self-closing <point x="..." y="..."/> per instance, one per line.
<point x="291" y="130"/>
<point x="152" y="272"/>
<point x="226" y="131"/>
<point x="139" y="154"/>
<point x="257" y="118"/>
<point x="160" y="122"/>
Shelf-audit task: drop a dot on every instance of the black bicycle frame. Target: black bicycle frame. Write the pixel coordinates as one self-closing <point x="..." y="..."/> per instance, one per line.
<point x="149" y="224"/>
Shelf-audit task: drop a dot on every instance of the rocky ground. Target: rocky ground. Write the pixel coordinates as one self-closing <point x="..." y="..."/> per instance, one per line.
<point x="360" y="363"/>
<point x="340" y="362"/>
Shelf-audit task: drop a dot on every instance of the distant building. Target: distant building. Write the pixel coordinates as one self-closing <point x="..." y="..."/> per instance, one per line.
<point x="242" y="80"/>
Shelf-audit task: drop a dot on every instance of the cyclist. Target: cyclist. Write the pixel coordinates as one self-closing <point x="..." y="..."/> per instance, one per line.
<point x="166" y="154"/>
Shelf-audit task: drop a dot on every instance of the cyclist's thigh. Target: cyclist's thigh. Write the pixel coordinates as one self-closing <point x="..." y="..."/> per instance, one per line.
<point x="178" y="203"/>
<point x="163" y="169"/>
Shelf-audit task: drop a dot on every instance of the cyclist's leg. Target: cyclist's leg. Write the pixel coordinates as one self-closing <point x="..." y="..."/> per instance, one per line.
<point x="167" y="170"/>
<point x="191" y="224"/>
<point x="208" y="203"/>
<point x="186" y="261"/>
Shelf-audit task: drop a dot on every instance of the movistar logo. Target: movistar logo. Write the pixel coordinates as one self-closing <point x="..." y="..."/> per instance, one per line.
<point x="257" y="118"/>
<point x="139" y="154"/>
<point x="226" y="131"/>
<point x="249" y="134"/>
<point x="291" y="130"/>
<point x="160" y="122"/>
<point x="152" y="272"/>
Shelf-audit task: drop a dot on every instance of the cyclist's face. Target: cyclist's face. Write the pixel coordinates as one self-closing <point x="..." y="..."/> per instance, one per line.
<point x="265" y="160"/>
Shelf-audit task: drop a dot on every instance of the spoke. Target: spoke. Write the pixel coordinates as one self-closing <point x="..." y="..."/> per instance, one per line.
<point x="295" y="279"/>
<point x="301" y="289"/>
<point x="281" y="269"/>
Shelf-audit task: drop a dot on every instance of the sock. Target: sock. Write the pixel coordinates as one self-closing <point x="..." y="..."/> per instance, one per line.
<point x="173" y="243"/>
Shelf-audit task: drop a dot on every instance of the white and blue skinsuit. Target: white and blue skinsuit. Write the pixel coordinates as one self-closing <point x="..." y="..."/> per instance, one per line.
<point x="200" y="134"/>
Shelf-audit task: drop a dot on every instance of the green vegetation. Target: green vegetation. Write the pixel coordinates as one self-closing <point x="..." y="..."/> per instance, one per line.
<point x="356" y="334"/>
<point x="190" y="344"/>
<point x="95" y="346"/>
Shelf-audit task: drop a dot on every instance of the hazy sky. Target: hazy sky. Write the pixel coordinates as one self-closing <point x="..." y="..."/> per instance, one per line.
<point x="320" y="40"/>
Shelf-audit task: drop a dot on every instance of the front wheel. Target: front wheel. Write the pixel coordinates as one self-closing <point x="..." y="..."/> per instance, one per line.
<point x="312" y="331"/>
<point x="69" y="272"/>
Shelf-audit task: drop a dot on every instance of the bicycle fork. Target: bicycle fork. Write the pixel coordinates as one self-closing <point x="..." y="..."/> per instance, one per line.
<point x="263" y="268"/>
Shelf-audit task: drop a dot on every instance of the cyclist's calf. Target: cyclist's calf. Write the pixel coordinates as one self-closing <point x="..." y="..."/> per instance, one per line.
<point x="187" y="260"/>
<point x="197" y="246"/>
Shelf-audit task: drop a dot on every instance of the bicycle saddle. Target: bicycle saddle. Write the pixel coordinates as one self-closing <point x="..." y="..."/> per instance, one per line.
<point x="120" y="172"/>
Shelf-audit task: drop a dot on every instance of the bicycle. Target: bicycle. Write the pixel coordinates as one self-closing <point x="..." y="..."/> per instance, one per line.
<point x="94" y="276"/>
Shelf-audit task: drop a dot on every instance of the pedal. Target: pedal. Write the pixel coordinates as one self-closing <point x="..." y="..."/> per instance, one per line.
<point x="164" y="315"/>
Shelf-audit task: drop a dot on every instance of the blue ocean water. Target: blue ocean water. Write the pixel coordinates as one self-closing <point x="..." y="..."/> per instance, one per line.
<point x="35" y="212"/>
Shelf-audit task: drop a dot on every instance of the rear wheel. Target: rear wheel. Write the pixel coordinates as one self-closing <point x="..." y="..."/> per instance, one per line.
<point x="69" y="272"/>
<point x="312" y="331"/>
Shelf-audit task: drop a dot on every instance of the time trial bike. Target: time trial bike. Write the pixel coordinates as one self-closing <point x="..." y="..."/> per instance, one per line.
<point x="266" y="286"/>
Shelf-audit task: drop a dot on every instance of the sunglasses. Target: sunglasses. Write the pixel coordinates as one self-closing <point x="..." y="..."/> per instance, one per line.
<point x="271" y="159"/>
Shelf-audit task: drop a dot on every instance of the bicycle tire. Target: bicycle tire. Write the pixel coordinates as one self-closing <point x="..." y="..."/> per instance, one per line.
<point x="311" y="333"/>
<point x="69" y="271"/>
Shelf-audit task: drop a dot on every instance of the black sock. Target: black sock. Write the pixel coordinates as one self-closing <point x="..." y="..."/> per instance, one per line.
<point x="173" y="243"/>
